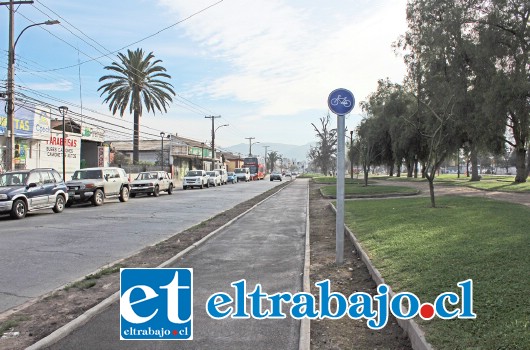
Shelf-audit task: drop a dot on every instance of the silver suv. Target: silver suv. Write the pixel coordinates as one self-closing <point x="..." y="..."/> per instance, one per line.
<point x="96" y="184"/>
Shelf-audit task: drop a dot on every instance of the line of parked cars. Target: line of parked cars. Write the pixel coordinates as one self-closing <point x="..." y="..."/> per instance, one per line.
<point x="23" y="191"/>
<point x="203" y="178"/>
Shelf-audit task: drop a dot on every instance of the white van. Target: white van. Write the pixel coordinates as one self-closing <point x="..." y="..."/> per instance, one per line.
<point x="243" y="174"/>
<point x="224" y="176"/>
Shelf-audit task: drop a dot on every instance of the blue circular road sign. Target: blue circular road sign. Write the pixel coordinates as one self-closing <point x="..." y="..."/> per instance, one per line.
<point x="341" y="101"/>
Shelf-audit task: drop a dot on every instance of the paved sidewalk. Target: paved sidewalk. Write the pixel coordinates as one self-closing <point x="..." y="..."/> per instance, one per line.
<point x="265" y="246"/>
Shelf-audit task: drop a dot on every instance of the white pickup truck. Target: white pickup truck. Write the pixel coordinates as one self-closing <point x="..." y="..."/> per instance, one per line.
<point x="243" y="174"/>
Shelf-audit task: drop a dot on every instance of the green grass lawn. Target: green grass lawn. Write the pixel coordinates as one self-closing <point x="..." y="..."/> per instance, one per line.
<point x="427" y="251"/>
<point x="351" y="189"/>
<point x="333" y="180"/>
<point x="502" y="183"/>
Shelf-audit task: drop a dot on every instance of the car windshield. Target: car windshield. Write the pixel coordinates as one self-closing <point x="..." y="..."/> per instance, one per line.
<point x="240" y="171"/>
<point x="13" y="179"/>
<point x="194" y="173"/>
<point x="87" y="174"/>
<point x="211" y="173"/>
<point x="147" y="176"/>
<point x="231" y="174"/>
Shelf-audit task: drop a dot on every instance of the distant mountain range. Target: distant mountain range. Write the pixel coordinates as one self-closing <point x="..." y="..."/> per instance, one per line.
<point x="298" y="153"/>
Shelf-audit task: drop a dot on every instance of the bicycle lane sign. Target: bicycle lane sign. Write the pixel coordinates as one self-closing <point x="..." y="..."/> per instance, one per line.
<point x="341" y="101"/>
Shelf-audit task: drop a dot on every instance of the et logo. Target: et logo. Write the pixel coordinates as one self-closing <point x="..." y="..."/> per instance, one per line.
<point x="156" y="304"/>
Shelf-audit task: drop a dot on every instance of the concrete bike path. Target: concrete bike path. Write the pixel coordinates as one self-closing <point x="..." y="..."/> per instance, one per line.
<point x="264" y="246"/>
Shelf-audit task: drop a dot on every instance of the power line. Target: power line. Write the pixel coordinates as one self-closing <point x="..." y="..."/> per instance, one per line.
<point x="143" y="39"/>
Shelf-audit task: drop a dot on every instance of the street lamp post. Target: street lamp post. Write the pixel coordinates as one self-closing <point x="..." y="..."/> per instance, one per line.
<point x="351" y="154"/>
<point x="250" y="148"/>
<point x="266" y="147"/>
<point x="64" y="110"/>
<point x="202" y="155"/>
<point x="162" y="135"/>
<point x="10" y="147"/>
<point x="213" y="144"/>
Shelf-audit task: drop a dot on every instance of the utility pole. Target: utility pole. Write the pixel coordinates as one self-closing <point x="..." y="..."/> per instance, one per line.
<point x="213" y="117"/>
<point x="10" y="135"/>
<point x="250" y="145"/>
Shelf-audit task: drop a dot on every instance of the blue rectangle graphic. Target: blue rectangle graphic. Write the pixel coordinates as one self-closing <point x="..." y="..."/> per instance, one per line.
<point x="156" y="304"/>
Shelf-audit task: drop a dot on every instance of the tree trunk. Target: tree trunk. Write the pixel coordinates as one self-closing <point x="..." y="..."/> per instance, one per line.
<point x="415" y="168"/>
<point x="474" y="165"/>
<point x="520" y="158"/>
<point x="528" y="162"/>
<point x="398" y="171"/>
<point x="430" y="179"/>
<point x="136" y="137"/>
<point x="366" y="170"/>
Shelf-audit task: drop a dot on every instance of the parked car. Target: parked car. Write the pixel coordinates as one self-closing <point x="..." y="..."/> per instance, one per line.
<point x="214" y="178"/>
<point x="152" y="183"/>
<point x="231" y="177"/>
<point x="243" y="174"/>
<point x="97" y="184"/>
<point x="224" y="176"/>
<point x="276" y="176"/>
<point x="195" y="178"/>
<point x="23" y="191"/>
<point x="288" y="174"/>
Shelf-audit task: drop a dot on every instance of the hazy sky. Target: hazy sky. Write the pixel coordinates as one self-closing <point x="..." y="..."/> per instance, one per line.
<point x="266" y="66"/>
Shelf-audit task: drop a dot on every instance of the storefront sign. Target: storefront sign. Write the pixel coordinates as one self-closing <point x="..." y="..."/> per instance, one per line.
<point x="31" y="122"/>
<point x="92" y="133"/>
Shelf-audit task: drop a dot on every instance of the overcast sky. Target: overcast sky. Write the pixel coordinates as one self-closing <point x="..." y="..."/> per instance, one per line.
<point x="266" y="66"/>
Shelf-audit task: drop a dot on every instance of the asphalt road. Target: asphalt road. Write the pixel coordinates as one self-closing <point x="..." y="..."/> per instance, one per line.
<point x="45" y="251"/>
<point x="264" y="246"/>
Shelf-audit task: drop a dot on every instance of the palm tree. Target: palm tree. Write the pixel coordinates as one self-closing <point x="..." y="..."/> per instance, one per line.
<point x="135" y="84"/>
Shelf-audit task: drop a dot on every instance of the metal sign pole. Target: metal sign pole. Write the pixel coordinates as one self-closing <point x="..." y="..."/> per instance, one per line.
<point x="341" y="102"/>
<point x="339" y="239"/>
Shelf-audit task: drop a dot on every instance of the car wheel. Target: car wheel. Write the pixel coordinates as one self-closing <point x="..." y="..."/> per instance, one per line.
<point x="19" y="209"/>
<point x="132" y="195"/>
<point x="156" y="191"/>
<point x="170" y="189"/>
<point x="59" y="204"/>
<point x="98" y="198"/>
<point x="184" y="187"/>
<point x="124" y="194"/>
<point x="69" y="203"/>
<point x="271" y="179"/>
<point x="208" y="184"/>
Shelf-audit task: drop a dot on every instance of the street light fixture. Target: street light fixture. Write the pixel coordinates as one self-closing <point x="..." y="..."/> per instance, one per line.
<point x="63" y="110"/>
<point x="162" y="135"/>
<point x="11" y="86"/>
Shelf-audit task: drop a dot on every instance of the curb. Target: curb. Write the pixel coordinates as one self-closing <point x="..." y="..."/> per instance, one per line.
<point x="81" y="320"/>
<point x="414" y="332"/>
<point x="304" y="342"/>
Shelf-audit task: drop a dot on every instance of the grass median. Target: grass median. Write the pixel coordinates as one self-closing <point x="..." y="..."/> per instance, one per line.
<point x="503" y="183"/>
<point x="427" y="251"/>
<point x="358" y="190"/>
